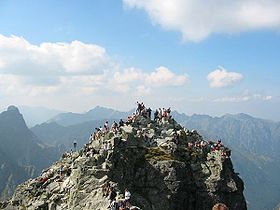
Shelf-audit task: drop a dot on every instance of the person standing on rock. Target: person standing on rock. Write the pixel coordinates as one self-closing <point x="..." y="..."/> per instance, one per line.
<point x="75" y="145"/>
<point x="149" y="112"/>
<point x="127" y="196"/>
<point x="121" y="123"/>
<point x="156" y="115"/>
<point x="112" y="194"/>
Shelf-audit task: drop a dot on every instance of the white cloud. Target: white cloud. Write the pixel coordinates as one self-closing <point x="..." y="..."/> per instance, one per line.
<point x="73" y="68"/>
<point x="18" y="56"/>
<point x="197" y="19"/>
<point x="162" y="76"/>
<point x="245" y="96"/>
<point x="128" y="76"/>
<point x="222" y="78"/>
<point x="143" y="90"/>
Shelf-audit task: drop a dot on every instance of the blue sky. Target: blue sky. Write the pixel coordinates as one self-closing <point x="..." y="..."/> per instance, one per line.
<point x="196" y="57"/>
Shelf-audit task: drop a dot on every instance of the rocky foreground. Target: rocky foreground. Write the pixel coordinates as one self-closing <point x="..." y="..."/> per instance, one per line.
<point x="164" y="166"/>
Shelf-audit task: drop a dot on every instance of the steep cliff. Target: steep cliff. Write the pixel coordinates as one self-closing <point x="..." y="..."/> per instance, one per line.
<point x="164" y="166"/>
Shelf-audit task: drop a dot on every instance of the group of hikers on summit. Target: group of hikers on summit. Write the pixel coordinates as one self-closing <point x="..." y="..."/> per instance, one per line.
<point x="162" y="116"/>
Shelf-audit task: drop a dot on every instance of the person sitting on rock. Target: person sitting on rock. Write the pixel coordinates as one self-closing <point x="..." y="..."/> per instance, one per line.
<point x="220" y="206"/>
<point x="127" y="196"/>
<point x="105" y="146"/>
<point x="138" y="134"/>
<point x="122" y="206"/>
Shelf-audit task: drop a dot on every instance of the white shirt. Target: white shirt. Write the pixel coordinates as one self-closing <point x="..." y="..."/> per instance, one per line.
<point x="127" y="195"/>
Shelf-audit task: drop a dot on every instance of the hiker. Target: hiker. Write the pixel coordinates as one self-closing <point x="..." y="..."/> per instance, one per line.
<point x="114" y="127"/>
<point x="159" y="114"/>
<point x="138" y="110"/>
<point x="220" y="206"/>
<point x="149" y="112"/>
<point x="142" y="108"/>
<point x="112" y="194"/>
<point x="105" y="146"/>
<point x="61" y="170"/>
<point x="75" y="145"/>
<point x="121" y="123"/>
<point x="168" y="111"/>
<point x="156" y="115"/>
<point x="127" y="196"/>
<point x="106" y="127"/>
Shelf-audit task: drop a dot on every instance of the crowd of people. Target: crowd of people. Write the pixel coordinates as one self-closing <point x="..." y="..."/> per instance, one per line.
<point x="161" y="115"/>
<point x="206" y="147"/>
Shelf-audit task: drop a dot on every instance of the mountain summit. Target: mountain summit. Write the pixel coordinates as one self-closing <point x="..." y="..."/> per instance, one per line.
<point x="162" y="165"/>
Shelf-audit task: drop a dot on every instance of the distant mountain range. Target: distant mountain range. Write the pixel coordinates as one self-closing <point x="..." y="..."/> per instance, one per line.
<point x="52" y="133"/>
<point x="255" y="144"/>
<point x="98" y="113"/>
<point x="37" y="115"/>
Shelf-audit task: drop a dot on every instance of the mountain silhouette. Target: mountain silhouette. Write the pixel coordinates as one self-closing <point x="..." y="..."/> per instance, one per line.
<point x="22" y="154"/>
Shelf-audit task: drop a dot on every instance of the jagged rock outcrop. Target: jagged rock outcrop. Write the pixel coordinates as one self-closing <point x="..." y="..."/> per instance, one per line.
<point x="164" y="166"/>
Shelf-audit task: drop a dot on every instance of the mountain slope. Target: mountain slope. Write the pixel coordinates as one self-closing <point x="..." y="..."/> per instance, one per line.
<point x="22" y="154"/>
<point x="255" y="145"/>
<point x="159" y="171"/>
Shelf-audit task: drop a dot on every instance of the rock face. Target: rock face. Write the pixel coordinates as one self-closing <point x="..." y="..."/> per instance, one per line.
<point x="164" y="166"/>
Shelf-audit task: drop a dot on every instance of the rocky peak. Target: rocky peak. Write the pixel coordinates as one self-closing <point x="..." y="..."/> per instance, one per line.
<point x="12" y="118"/>
<point x="162" y="164"/>
<point x="13" y="108"/>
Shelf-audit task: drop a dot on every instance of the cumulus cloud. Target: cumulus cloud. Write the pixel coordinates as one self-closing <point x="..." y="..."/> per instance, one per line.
<point x="128" y="76"/>
<point x="222" y="78"/>
<point x="69" y="68"/>
<point x="197" y="19"/>
<point x="18" y="56"/>
<point x="162" y="76"/>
